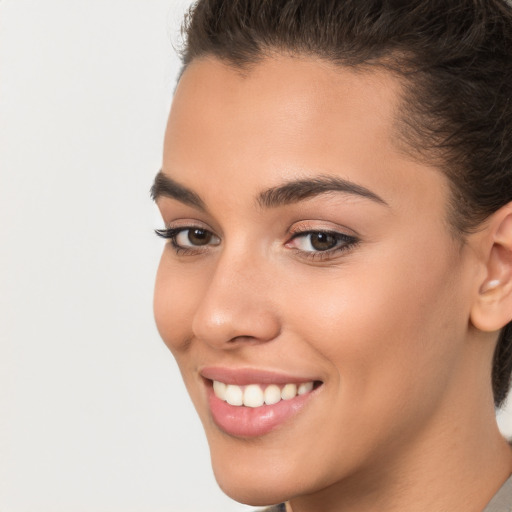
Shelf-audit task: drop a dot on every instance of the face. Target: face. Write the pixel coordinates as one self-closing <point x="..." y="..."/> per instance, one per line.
<point x="310" y="275"/>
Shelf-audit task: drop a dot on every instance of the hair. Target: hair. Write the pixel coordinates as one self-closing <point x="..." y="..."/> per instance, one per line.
<point x="454" y="59"/>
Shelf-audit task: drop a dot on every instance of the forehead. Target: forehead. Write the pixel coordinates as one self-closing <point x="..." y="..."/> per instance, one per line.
<point x="302" y="81"/>
<point x="287" y="116"/>
<point x="283" y="97"/>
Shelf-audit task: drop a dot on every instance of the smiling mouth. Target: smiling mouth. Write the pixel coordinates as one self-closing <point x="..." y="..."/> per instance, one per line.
<point x="258" y="395"/>
<point x="250" y="403"/>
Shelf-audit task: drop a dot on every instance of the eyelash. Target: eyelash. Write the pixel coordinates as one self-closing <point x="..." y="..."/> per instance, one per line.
<point x="343" y="242"/>
<point x="172" y="233"/>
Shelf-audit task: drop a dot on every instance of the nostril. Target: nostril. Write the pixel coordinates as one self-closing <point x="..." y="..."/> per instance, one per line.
<point x="246" y="340"/>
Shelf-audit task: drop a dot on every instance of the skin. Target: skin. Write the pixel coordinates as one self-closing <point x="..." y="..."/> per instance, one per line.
<point x="404" y="416"/>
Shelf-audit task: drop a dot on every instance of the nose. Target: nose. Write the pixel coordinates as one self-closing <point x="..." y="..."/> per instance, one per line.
<point x="236" y="306"/>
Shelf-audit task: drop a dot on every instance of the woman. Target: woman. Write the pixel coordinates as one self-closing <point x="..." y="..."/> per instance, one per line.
<point x="337" y="287"/>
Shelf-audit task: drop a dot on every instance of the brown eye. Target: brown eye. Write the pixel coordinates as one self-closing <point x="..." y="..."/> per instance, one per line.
<point x="199" y="236"/>
<point x="194" y="237"/>
<point x="328" y="243"/>
<point x="189" y="238"/>
<point x="323" y="241"/>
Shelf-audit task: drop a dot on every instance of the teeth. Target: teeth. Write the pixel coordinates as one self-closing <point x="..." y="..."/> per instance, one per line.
<point x="234" y="395"/>
<point x="219" y="389"/>
<point x="272" y="394"/>
<point x="289" y="392"/>
<point x="255" y="395"/>
<point x="304" y="388"/>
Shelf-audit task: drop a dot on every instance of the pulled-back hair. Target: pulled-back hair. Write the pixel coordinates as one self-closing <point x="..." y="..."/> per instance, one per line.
<point x="454" y="59"/>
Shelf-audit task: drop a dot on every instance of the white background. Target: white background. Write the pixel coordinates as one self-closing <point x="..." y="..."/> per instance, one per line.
<point x="93" y="414"/>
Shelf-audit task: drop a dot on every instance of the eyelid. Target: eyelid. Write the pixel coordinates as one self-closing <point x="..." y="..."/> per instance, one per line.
<point x="188" y="223"/>
<point x="339" y="236"/>
<point x="171" y="232"/>
<point x="316" y="226"/>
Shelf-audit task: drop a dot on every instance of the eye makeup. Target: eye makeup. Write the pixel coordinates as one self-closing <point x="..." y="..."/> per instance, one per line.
<point x="310" y="244"/>
<point x="321" y="245"/>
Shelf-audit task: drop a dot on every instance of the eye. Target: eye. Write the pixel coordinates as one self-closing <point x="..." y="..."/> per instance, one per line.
<point x="188" y="238"/>
<point x="321" y="241"/>
<point x="193" y="237"/>
<point x="316" y="241"/>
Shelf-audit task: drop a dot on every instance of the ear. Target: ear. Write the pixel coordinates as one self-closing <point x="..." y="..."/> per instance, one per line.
<point x="492" y="308"/>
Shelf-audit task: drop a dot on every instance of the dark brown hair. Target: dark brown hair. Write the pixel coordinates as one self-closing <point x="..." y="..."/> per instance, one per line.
<point x="454" y="58"/>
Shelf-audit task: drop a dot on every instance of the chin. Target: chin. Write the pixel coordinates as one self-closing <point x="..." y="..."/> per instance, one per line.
<point x="251" y="489"/>
<point x="252" y="475"/>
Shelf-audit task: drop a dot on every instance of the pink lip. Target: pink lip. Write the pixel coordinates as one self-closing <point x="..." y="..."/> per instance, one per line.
<point x="246" y="376"/>
<point x="241" y="421"/>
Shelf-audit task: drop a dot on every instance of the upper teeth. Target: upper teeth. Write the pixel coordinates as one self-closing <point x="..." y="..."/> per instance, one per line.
<point x="255" y="395"/>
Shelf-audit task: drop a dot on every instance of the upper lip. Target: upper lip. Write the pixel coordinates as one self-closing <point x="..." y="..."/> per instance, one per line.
<point x="246" y="376"/>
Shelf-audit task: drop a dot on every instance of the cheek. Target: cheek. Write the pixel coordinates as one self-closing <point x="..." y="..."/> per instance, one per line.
<point x="391" y="327"/>
<point x="174" y="303"/>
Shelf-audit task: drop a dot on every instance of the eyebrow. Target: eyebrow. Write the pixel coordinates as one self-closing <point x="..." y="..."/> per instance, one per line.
<point x="166" y="186"/>
<point x="298" y="190"/>
<point x="288" y="193"/>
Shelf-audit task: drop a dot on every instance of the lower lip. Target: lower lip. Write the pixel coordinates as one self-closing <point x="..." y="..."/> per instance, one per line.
<point x="241" y="421"/>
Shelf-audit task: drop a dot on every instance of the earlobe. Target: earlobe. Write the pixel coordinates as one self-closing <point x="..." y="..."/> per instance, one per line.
<point x="492" y="309"/>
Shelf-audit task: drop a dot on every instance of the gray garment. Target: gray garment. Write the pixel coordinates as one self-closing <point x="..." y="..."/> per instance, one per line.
<point x="502" y="501"/>
<point x="275" y="508"/>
